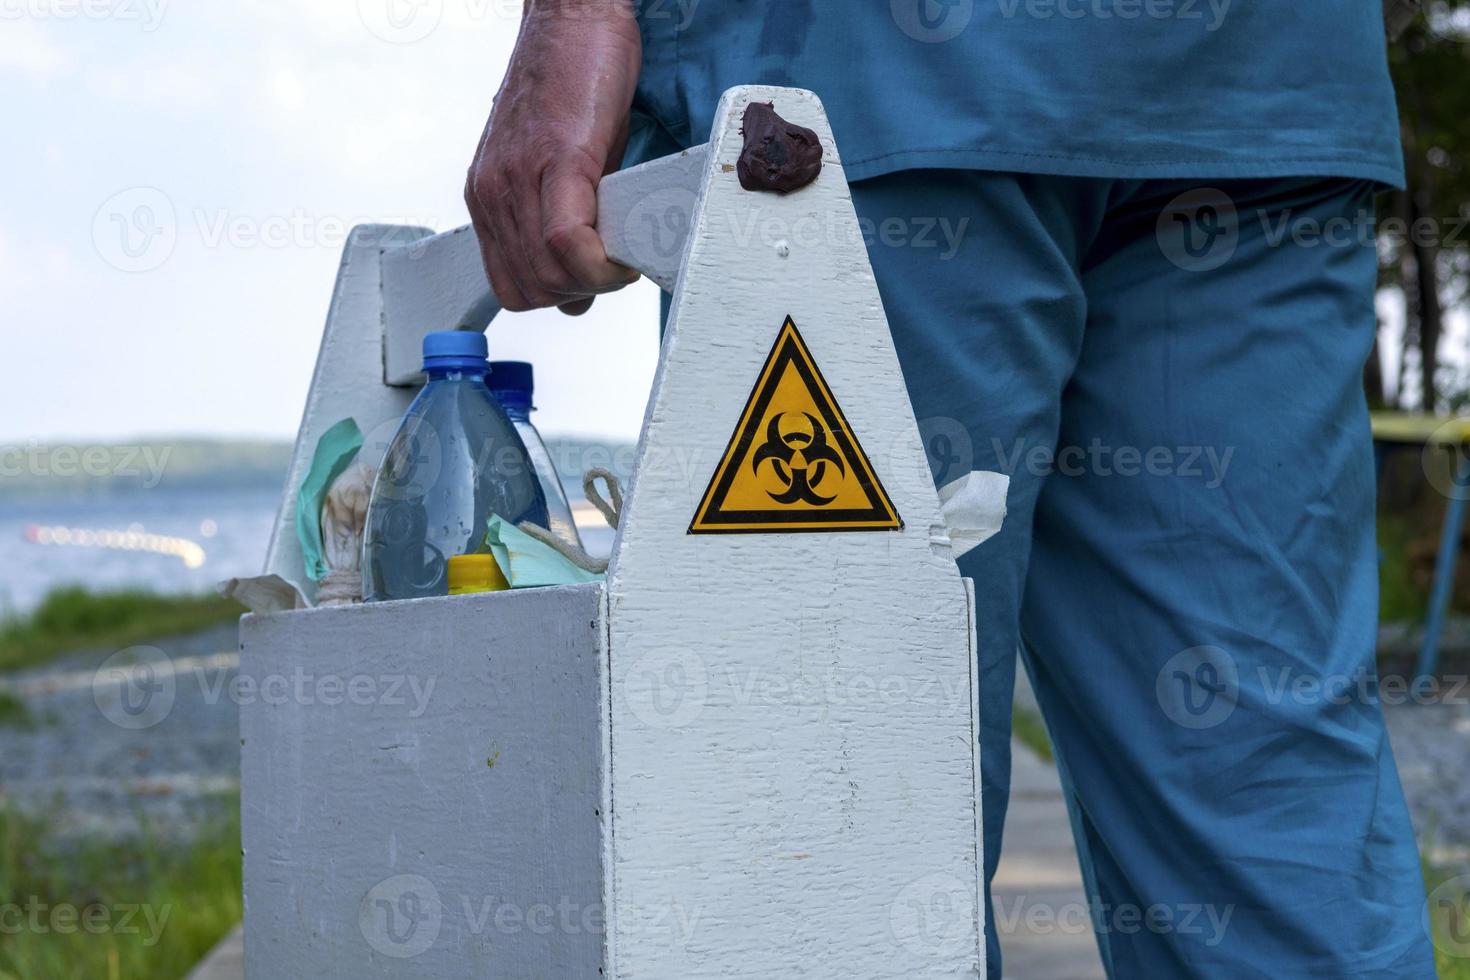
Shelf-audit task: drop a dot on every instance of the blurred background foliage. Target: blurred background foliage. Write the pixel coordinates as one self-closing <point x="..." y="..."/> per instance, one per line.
<point x="1430" y="262"/>
<point x="1424" y="258"/>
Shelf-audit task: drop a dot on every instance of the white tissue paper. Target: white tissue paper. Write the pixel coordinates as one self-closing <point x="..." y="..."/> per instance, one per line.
<point x="973" y="508"/>
<point x="264" y="594"/>
<point x="344" y="516"/>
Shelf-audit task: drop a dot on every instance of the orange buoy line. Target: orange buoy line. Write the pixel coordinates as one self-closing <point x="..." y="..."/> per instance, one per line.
<point x="133" y="539"/>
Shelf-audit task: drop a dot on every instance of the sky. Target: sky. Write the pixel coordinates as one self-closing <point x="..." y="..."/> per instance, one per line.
<point x="180" y="180"/>
<point x="180" y="177"/>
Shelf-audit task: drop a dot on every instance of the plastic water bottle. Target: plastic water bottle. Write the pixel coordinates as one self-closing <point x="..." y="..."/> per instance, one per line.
<point x="455" y="460"/>
<point x="513" y="383"/>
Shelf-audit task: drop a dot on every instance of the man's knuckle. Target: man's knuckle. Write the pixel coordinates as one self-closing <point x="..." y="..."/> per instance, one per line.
<point x="563" y="240"/>
<point x="480" y="186"/>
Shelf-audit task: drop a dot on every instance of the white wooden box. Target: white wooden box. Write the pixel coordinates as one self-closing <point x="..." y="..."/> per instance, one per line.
<point x="744" y="755"/>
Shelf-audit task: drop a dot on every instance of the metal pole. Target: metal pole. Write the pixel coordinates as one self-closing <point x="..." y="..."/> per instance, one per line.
<point x="1444" y="565"/>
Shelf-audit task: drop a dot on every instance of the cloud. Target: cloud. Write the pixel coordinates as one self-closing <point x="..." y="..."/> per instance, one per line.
<point x="183" y="86"/>
<point x="294" y="113"/>
<point x="399" y="113"/>
<point x="9" y="274"/>
<point x="25" y="50"/>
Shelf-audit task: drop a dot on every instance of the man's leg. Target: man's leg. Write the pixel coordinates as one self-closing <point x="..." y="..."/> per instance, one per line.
<point x="1201" y="601"/>
<point x="979" y="276"/>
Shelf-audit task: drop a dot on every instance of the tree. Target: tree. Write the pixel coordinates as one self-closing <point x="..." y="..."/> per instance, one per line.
<point x="1424" y="241"/>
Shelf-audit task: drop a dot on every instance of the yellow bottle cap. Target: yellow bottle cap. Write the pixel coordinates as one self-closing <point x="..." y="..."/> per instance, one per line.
<point x="469" y="574"/>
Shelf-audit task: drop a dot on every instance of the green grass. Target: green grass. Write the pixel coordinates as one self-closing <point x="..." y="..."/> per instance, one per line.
<point x="14" y="713"/>
<point x="1027" y="726"/>
<point x="72" y="618"/>
<point x="1450" y="965"/>
<point x="1399" y="599"/>
<point x="103" y="910"/>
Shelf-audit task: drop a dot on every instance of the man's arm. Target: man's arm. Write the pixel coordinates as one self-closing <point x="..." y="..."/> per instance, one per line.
<point x="559" y="123"/>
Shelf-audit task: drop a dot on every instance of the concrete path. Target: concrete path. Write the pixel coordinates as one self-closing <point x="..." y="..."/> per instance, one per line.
<point x="225" y="962"/>
<point x="110" y="739"/>
<point x="1040" y="907"/>
<point x="1430" y="743"/>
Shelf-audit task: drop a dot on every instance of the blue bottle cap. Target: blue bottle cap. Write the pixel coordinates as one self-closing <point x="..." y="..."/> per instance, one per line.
<point x="450" y="350"/>
<point x="513" y="376"/>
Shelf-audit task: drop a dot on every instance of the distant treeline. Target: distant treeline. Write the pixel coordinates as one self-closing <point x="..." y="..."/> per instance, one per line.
<point x="81" y="469"/>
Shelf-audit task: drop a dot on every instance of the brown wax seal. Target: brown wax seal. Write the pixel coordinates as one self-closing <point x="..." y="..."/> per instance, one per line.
<point x="779" y="156"/>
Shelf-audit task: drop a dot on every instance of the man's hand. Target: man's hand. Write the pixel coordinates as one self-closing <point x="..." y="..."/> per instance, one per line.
<point x="559" y="124"/>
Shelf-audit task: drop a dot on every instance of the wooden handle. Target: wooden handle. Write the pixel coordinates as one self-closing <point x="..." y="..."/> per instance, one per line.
<point x="439" y="283"/>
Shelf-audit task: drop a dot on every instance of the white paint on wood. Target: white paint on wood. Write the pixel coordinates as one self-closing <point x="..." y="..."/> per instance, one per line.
<point x="434" y="284"/>
<point x="793" y="716"/>
<point x="776" y="735"/>
<point x="423" y="788"/>
<point x="644" y="213"/>
<point x="347" y="383"/>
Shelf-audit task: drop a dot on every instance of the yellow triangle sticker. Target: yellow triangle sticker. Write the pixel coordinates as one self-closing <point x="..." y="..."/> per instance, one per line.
<point x="793" y="463"/>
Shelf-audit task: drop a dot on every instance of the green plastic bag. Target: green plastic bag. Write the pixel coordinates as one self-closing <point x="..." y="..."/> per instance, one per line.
<point x="335" y="451"/>
<point x="529" y="563"/>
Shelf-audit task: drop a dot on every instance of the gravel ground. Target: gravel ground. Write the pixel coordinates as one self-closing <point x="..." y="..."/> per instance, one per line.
<point x="113" y="739"/>
<point x="1432" y="745"/>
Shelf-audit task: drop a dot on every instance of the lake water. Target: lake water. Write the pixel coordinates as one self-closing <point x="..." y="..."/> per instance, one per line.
<point x="230" y="526"/>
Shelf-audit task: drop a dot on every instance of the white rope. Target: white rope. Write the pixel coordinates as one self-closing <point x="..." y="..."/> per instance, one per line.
<point x="569" y="551"/>
<point x="341" y="587"/>
<point x="611" y="512"/>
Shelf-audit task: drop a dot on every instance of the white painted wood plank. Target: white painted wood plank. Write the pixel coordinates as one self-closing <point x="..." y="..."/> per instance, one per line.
<point x="347" y="383"/>
<point x="447" y="820"/>
<point x="777" y="733"/>
<point x="434" y="284"/>
<point x="644" y="213"/>
<point x="793" y="724"/>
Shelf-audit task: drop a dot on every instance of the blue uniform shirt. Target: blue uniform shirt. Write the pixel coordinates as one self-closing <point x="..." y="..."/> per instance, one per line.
<point x="1099" y="88"/>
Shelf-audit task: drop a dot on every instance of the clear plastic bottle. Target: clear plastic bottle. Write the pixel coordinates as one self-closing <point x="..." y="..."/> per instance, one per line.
<point x="513" y="383"/>
<point x="455" y="460"/>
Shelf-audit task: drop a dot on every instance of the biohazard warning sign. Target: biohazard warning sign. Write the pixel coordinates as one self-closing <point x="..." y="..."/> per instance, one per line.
<point x="793" y="463"/>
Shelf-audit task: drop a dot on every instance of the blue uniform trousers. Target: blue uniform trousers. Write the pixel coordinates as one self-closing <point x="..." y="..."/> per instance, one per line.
<point x="1171" y="374"/>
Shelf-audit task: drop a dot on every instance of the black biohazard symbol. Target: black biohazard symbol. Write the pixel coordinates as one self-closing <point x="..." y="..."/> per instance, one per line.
<point x="800" y="453"/>
<point x="793" y="462"/>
